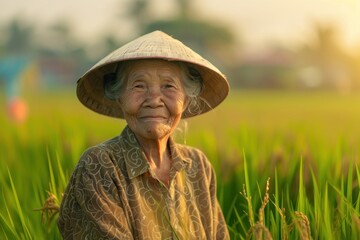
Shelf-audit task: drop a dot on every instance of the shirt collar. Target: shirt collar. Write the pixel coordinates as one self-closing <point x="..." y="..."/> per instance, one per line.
<point x="135" y="159"/>
<point x="178" y="160"/>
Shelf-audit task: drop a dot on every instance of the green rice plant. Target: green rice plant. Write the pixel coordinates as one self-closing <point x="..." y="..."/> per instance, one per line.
<point x="259" y="230"/>
<point x="247" y="194"/>
<point x="322" y="218"/>
<point x="302" y="224"/>
<point x="51" y="205"/>
<point x="7" y="224"/>
<point x="17" y="231"/>
<point x="308" y="149"/>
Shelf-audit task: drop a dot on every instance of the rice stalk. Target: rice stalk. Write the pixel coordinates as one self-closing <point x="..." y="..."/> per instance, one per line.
<point x="250" y="208"/>
<point x="356" y="222"/>
<point x="284" y="226"/>
<point x="265" y="202"/>
<point x="357" y="183"/>
<point x="51" y="172"/>
<point x="7" y="227"/>
<point x="10" y="220"/>
<point x="19" y="209"/>
<point x="50" y="209"/>
<point x="302" y="193"/>
<point x="303" y="225"/>
<point x="259" y="228"/>
<point x="246" y="192"/>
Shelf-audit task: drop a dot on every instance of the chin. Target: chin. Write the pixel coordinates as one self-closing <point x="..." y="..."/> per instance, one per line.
<point x="157" y="132"/>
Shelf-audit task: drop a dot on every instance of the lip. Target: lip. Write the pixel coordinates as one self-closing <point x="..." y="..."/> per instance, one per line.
<point x="152" y="118"/>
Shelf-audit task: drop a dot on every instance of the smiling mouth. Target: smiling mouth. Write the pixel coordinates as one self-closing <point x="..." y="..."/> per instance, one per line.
<point x="153" y="118"/>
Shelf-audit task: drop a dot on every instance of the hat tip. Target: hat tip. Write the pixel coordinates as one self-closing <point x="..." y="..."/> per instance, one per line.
<point x="158" y="32"/>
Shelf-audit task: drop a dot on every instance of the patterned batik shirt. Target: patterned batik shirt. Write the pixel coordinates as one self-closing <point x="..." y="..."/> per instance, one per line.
<point x="113" y="194"/>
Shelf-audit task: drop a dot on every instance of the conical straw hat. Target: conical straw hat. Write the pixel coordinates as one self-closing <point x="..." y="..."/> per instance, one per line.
<point x="155" y="45"/>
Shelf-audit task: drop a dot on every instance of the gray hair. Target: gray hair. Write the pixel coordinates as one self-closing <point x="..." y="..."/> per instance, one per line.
<point x="191" y="81"/>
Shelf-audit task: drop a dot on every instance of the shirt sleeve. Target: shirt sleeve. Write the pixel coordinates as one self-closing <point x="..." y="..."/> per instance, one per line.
<point x="91" y="207"/>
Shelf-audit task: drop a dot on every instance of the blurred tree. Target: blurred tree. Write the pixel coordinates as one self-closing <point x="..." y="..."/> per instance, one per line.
<point x="184" y="25"/>
<point x="138" y="11"/>
<point x="185" y="8"/>
<point x="109" y="43"/>
<point x="65" y="44"/>
<point x="59" y="52"/>
<point x="325" y="54"/>
<point x="19" y="37"/>
<point x="212" y="39"/>
<point x="59" y="40"/>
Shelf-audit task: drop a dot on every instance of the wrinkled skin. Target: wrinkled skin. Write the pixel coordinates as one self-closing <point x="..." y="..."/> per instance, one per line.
<point x="152" y="101"/>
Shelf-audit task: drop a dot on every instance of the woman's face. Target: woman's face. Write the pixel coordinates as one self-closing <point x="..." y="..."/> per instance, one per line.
<point x="153" y="98"/>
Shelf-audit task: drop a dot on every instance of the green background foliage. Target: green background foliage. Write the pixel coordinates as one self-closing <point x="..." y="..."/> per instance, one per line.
<point x="301" y="130"/>
<point x="307" y="143"/>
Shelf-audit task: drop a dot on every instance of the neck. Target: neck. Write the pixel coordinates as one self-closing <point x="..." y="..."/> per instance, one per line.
<point x="155" y="150"/>
<point x="158" y="156"/>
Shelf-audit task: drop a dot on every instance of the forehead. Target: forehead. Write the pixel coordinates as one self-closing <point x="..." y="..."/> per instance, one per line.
<point x="154" y="65"/>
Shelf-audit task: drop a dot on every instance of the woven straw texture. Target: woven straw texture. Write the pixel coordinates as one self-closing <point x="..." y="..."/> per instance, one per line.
<point x="155" y="45"/>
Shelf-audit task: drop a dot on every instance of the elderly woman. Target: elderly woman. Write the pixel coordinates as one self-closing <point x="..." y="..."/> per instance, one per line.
<point x="141" y="184"/>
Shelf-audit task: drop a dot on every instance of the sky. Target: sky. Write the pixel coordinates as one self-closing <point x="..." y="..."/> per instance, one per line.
<point x="256" y="22"/>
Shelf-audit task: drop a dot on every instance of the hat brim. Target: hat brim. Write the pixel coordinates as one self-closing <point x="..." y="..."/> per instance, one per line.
<point x="90" y="90"/>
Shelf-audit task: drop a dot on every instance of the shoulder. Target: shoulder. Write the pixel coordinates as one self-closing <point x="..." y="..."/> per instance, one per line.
<point x="101" y="156"/>
<point x="191" y="152"/>
<point x="196" y="157"/>
<point x="102" y="149"/>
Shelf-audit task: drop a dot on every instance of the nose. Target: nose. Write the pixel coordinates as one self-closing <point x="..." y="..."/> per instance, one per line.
<point x="154" y="97"/>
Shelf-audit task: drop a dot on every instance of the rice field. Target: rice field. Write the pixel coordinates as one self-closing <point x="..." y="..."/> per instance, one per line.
<point x="286" y="162"/>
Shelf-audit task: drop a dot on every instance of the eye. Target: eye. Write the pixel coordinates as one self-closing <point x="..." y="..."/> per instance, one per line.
<point x="138" y="85"/>
<point x="169" y="86"/>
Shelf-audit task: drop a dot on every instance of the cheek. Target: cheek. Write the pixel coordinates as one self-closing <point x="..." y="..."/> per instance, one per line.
<point x="128" y="108"/>
<point x="130" y="104"/>
<point x="178" y="105"/>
